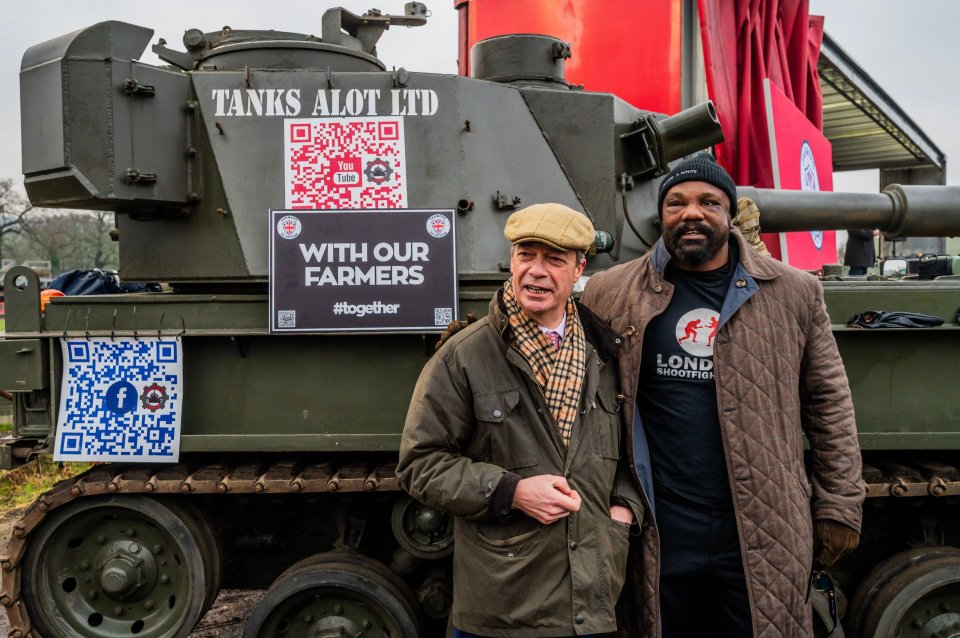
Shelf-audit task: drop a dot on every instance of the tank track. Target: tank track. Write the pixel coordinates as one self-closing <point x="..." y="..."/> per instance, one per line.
<point x="918" y="478"/>
<point x="884" y="480"/>
<point x="282" y="477"/>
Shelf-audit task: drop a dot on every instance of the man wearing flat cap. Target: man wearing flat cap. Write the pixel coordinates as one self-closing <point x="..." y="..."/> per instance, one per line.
<point x="728" y="358"/>
<point x="514" y="429"/>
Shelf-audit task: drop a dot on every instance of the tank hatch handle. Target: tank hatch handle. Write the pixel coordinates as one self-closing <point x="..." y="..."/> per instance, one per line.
<point x="361" y="33"/>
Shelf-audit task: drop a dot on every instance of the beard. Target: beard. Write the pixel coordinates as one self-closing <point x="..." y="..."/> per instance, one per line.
<point x="700" y="252"/>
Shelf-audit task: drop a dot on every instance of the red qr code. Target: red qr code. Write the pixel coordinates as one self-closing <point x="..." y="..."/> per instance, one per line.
<point x="342" y="163"/>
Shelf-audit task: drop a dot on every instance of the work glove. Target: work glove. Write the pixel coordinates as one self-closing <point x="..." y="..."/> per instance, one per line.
<point x="832" y="541"/>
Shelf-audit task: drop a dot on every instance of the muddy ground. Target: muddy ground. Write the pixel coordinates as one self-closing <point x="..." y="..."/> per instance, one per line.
<point x="224" y="620"/>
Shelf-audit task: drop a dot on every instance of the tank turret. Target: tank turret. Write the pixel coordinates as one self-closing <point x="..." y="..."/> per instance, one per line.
<point x="192" y="156"/>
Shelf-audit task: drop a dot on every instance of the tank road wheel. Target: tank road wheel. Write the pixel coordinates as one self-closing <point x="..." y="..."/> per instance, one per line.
<point x="880" y="576"/>
<point x="335" y="595"/>
<point x="922" y="601"/>
<point x="421" y="530"/>
<point x="120" y="566"/>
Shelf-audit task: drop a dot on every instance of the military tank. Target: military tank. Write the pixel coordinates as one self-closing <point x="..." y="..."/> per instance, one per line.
<point x="317" y="219"/>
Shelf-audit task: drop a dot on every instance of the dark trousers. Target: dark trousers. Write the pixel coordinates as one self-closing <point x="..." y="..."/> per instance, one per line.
<point x="462" y="634"/>
<point x="703" y="591"/>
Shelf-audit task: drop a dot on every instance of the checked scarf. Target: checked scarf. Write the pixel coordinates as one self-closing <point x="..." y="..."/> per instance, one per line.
<point x="558" y="372"/>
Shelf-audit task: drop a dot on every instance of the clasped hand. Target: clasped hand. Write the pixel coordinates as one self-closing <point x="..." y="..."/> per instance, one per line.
<point x="548" y="498"/>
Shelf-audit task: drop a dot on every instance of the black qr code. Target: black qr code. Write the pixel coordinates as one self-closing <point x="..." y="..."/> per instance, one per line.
<point x="442" y="316"/>
<point x="286" y="318"/>
<point x="120" y="400"/>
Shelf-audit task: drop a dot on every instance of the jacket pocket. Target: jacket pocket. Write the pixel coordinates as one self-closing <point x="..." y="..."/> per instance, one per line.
<point x="619" y="539"/>
<point x="511" y="441"/>
<point x="609" y="424"/>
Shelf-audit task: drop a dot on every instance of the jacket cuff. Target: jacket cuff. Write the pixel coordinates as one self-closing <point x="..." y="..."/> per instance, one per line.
<point x="501" y="501"/>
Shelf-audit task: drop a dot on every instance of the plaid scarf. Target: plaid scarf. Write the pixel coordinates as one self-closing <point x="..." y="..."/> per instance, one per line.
<point x="558" y="372"/>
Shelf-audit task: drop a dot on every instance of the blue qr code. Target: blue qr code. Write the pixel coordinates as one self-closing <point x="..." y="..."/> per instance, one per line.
<point x="121" y="400"/>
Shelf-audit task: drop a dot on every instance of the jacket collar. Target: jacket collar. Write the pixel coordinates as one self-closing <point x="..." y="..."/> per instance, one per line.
<point x="756" y="265"/>
<point x="597" y="332"/>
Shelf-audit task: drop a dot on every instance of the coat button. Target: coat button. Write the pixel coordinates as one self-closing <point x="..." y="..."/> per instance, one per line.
<point x="567" y="475"/>
<point x="741" y="283"/>
<point x="658" y="288"/>
<point x="573" y="544"/>
<point x="497" y="414"/>
<point x="578" y="619"/>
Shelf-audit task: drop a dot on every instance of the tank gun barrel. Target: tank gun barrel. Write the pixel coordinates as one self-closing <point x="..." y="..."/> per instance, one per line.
<point x="654" y="141"/>
<point x="898" y="211"/>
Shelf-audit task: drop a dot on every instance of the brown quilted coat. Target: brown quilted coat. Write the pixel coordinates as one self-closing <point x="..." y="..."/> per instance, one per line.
<point x="777" y="372"/>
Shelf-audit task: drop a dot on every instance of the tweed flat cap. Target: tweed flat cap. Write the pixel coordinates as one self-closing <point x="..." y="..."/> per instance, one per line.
<point x="553" y="224"/>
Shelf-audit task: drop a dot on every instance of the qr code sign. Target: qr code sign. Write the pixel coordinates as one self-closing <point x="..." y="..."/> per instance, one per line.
<point x="345" y="162"/>
<point x="120" y="400"/>
<point x="442" y="316"/>
<point x="286" y="318"/>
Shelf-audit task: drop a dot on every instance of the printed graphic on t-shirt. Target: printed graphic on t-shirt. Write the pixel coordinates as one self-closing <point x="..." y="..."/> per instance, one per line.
<point x="695" y="332"/>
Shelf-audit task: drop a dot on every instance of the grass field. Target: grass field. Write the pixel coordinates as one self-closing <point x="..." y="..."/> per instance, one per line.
<point x="20" y="486"/>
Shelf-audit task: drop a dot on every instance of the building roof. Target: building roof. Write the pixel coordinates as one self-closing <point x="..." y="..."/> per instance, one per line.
<point x="865" y="126"/>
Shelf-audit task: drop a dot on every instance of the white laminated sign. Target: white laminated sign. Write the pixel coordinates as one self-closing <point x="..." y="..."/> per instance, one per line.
<point x="120" y="400"/>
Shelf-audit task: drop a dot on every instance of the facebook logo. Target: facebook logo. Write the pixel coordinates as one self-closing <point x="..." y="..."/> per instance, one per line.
<point x="121" y="397"/>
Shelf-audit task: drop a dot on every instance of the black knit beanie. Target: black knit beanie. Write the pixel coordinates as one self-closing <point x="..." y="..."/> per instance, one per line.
<point x="699" y="168"/>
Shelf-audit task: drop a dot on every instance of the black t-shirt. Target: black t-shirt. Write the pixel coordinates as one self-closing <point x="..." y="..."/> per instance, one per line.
<point x="677" y="395"/>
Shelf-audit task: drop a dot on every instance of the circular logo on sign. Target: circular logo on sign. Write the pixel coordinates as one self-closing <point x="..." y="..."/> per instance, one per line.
<point x="696" y="330"/>
<point x="808" y="169"/>
<point x="288" y="227"/>
<point x="810" y="182"/>
<point x="438" y="225"/>
<point x="121" y="397"/>
<point x="378" y="171"/>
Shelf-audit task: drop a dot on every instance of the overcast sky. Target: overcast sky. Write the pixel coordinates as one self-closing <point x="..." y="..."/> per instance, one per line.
<point x="904" y="44"/>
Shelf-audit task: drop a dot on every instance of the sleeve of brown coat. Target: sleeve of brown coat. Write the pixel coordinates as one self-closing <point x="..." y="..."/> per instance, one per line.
<point x="828" y="420"/>
<point x="440" y="424"/>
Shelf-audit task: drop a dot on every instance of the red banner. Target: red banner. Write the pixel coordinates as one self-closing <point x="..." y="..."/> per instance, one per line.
<point x="801" y="158"/>
<point x="632" y="50"/>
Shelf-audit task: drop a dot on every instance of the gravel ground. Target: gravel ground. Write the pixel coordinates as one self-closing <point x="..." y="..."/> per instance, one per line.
<point x="224" y="619"/>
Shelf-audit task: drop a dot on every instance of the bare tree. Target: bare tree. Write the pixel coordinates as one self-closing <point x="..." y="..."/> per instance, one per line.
<point x="100" y="251"/>
<point x="13" y="207"/>
<point x="66" y="239"/>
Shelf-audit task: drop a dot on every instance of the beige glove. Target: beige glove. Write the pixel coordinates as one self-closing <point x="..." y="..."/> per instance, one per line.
<point x="747" y="220"/>
<point x="832" y="541"/>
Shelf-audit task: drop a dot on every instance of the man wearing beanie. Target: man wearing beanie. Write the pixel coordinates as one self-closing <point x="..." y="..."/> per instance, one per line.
<point x="728" y="358"/>
<point x="514" y="429"/>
